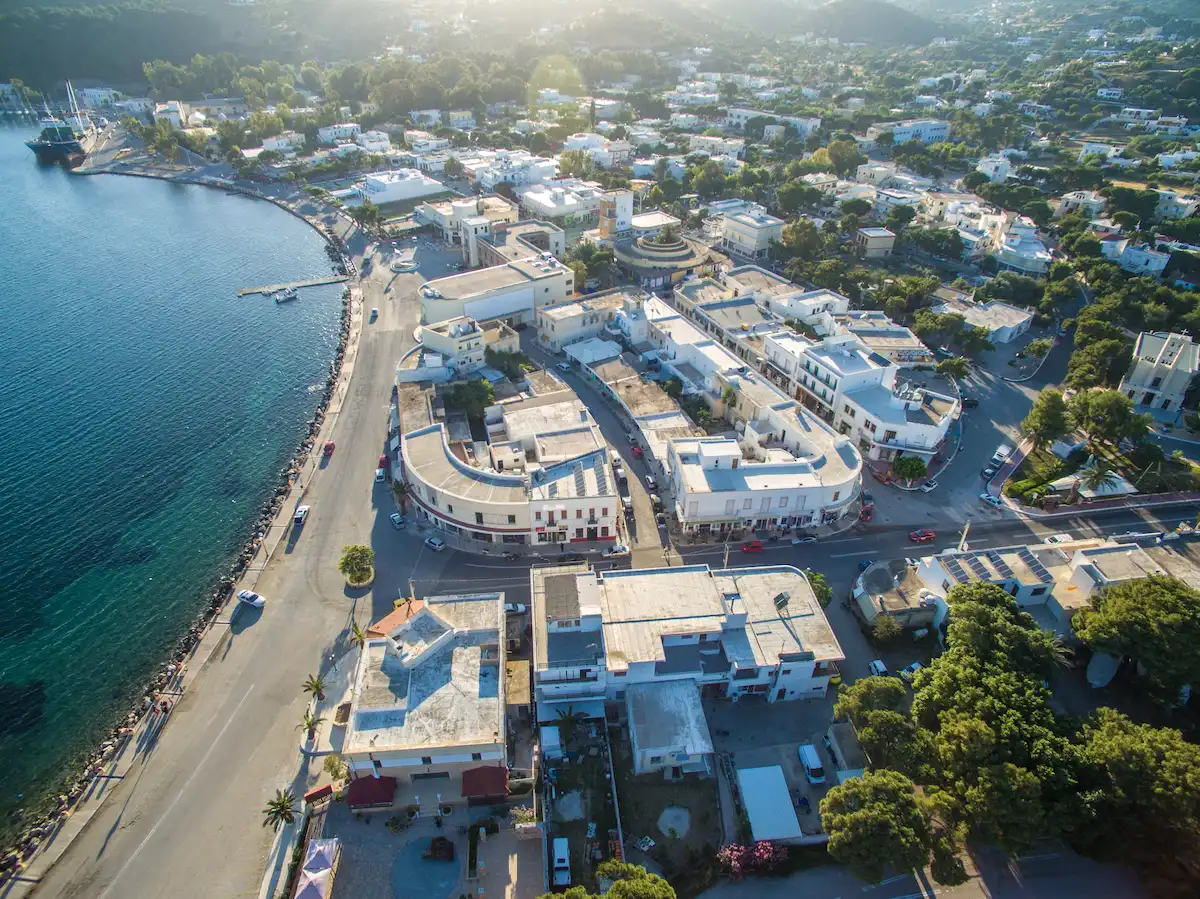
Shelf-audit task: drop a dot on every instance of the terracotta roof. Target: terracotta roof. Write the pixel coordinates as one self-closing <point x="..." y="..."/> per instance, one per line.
<point x="371" y="792"/>
<point x="490" y="780"/>
<point x="395" y="618"/>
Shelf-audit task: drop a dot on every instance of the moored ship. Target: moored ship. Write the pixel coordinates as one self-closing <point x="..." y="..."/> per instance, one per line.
<point x="64" y="141"/>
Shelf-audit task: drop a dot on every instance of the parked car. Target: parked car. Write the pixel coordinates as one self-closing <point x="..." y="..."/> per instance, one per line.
<point x="969" y="402"/>
<point x="1055" y="539"/>
<point x="562" y="366"/>
<point x="383" y="460"/>
<point x="651" y="482"/>
<point x="636" y="451"/>
<point x="929" y="487"/>
<point x="993" y="501"/>
<point x="514" y="608"/>
<point x="656" y="502"/>
<point x="437" y="544"/>
<point x="804" y="538"/>
<point x="397" y="520"/>
<point x="380" y="475"/>
<point x="250" y="598"/>
<point x="865" y="564"/>
<point x="877" y="668"/>
<point x="908" y="671"/>
<point x="922" y="535"/>
<point x="374" y="313"/>
<point x="988" y="473"/>
<point x="300" y="516"/>
<point x="752" y="546"/>
<point x="328" y="449"/>
<point x="617" y="549"/>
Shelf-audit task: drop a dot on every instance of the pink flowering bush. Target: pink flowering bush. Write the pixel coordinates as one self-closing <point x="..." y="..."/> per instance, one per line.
<point x="754" y="858"/>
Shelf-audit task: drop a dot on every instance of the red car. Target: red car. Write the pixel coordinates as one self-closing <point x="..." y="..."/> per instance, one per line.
<point x="752" y="546"/>
<point x="637" y="452"/>
<point x="328" y="450"/>
<point x="921" y="535"/>
<point x="383" y="460"/>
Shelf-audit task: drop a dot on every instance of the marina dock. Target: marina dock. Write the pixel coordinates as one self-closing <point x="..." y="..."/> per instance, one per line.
<point x="274" y="288"/>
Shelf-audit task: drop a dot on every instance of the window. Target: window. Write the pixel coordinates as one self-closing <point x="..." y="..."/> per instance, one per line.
<point x="604" y="531"/>
<point x="579" y="513"/>
<point x="1037" y="591"/>
<point x="604" y="512"/>
<point x="477" y="756"/>
<point x="786" y="671"/>
<point x="620" y="673"/>
<point x="591" y="514"/>
<point x="656" y="760"/>
<point x="783" y="500"/>
<point x="426" y="760"/>
<point x="578" y="533"/>
<point x="730" y="504"/>
<point x="747" y="503"/>
<point x="449" y="508"/>
<point x="550" y="518"/>
<point x="479" y="518"/>
<point x="512" y="519"/>
<point x="765" y="503"/>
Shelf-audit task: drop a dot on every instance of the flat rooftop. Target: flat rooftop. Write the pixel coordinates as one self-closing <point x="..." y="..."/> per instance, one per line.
<point x="427" y="454"/>
<point x="703" y="290"/>
<point x="496" y="277"/>
<point x="1027" y="565"/>
<point x="792" y="473"/>
<point x="668" y="715"/>
<point x="847" y="358"/>
<point x="990" y="315"/>
<point x="604" y="303"/>
<point x="892" y="586"/>
<point x="581" y="476"/>
<point x="434" y="681"/>
<point x="564" y="593"/>
<point x="758" y="281"/>
<point x="738" y="314"/>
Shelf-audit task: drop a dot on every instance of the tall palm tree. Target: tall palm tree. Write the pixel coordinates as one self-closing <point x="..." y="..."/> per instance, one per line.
<point x="280" y="810"/>
<point x="315" y="685"/>
<point x="401" y="490"/>
<point x="310" y="723"/>
<point x="358" y="637"/>
<point x="1098" y="477"/>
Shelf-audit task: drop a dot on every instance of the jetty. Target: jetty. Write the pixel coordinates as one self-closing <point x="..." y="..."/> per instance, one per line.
<point x="275" y="288"/>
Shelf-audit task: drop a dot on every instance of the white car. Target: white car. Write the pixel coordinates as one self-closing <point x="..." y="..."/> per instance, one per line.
<point x="1055" y="539"/>
<point x="380" y="475"/>
<point x="301" y="515"/>
<point x="435" y="543"/>
<point x="562" y="366"/>
<point x="929" y="486"/>
<point x="909" y="671"/>
<point x="250" y="598"/>
<point x="877" y="668"/>
<point x="617" y="549"/>
<point x="397" y="520"/>
<point x="992" y="500"/>
<point x="514" y="608"/>
<point x="650" y="482"/>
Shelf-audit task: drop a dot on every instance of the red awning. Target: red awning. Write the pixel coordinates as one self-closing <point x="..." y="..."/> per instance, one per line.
<point x="491" y="780"/>
<point x="371" y="792"/>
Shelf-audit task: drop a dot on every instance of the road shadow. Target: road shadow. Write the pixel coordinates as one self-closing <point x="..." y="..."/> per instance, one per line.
<point x="242" y="617"/>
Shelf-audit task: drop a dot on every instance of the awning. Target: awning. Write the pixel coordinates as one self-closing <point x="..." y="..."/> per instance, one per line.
<point x="371" y="792"/>
<point x="489" y="780"/>
<point x="396" y="444"/>
<point x="768" y="803"/>
<point x="548" y="712"/>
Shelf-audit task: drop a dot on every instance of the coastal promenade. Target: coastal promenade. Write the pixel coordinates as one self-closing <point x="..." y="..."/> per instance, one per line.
<point x="184" y="818"/>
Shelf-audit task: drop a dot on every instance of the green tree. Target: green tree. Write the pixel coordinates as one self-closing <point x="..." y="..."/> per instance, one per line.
<point x="870" y="694"/>
<point x="856" y="207"/>
<point x="280" y="810"/>
<point x="357" y="563"/>
<point x="309" y="724"/>
<point x="954" y="367"/>
<point x="909" y="468"/>
<point x="1040" y="347"/>
<point x="1098" y="477"/>
<point x="876" y="825"/>
<point x="1047" y="420"/>
<point x="315" y="685"/>
<point x="673" y="387"/>
<point x="581" y="273"/>
<point x="575" y="163"/>
<point x="1155" y="621"/>
<point x="802" y="240"/>
<point x="844" y="156"/>
<point x="1107" y="416"/>
<point x="453" y="168"/>
<point x="886" y="629"/>
<point x="628" y="882"/>
<point x="820" y="588"/>
<point x="471" y="398"/>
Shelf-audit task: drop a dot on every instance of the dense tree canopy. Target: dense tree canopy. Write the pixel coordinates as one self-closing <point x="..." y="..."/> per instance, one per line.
<point x="876" y="825"/>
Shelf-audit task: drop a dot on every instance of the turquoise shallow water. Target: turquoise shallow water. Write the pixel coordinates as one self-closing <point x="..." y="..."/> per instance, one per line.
<point x="145" y="413"/>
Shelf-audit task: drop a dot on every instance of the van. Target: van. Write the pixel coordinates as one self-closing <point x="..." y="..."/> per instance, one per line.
<point x="811" y="763"/>
<point x="1003" y="451"/>
<point x="562" y="863"/>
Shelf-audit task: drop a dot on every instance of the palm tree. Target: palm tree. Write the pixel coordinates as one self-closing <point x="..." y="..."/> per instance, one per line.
<point x="1099" y="477"/>
<point x="358" y="636"/>
<point x="401" y="490"/>
<point x="315" y="685"/>
<point x="280" y="810"/>
<point x="310" y="723"/>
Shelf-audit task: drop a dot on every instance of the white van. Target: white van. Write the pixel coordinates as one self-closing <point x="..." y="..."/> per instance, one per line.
<point x="1003" y="451"/>
<point x="562" y="863"/>
<point x="811" y="763"/>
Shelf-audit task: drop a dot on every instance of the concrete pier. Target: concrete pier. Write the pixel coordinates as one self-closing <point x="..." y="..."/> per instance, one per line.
<point x="273" y="288"/>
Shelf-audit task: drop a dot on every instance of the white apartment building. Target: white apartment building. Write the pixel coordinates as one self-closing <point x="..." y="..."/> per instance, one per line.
<point x="426" y="118"/>
<point x="287" y="142"/>
<point x="1088" y="203"/>
<point x="331" y="134"/>
<point x="517" y="168"/>
<point x="513" y="291"/>
<point x="889" y="198"/>
<point x="879" y="334"/>
<point x="604" y="152"/>
<point x="927" y="131"/>
<point x="1019" y="249"/>
<point x="427" y="701"/>
<point x="996" y="167"/>
<point x="460" y="119"/>
<point x="714" y="145"/>
<point x="459" y="220"/>
<point x="423" y="144"/>
<point x="750" y="233"/>
<point x="1173" y="205"/>
<point x="1163" y="368"/>
<point x="172" y="112"/>
<point x="596" y="315"/>
<point x="736" y="633"/>
<point x="397" y="185"/>
<point x="1136" y="114"/>
<point x="855" y="390"/>
<point x="1138" y="259"/>
<point x="736" y="117"/>
<point x="1002" y="321"/>
<point x="568" y="203"/>
<point x="1110" y="93"/>
<point x="464" y="342"/>
<point x="96" y="97"/>
<point x="825" y="182"/>
<point x="374" y="142"/>
<point x="686" y="121"/>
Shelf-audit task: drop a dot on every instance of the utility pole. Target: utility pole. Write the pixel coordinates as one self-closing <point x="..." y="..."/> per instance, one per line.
<point x="962" y="541"/>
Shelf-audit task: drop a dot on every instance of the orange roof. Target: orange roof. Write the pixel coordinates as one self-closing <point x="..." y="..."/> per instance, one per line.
<point x="395" y="618"/>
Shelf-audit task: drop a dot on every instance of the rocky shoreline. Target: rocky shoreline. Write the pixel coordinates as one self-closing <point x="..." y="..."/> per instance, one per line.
<point x="38" y="825"/>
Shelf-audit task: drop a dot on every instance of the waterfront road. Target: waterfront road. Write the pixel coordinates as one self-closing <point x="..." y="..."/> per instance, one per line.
<point x="187" y="822"/>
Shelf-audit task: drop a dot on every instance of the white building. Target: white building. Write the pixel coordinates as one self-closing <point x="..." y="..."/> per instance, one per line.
<point x="287" y="142"/>
<point x="715" y="145"/>
<point x="374" y="142"/>
<point x="856" y="391"/>
<point x="1110" y="93"/>
<point x="1138" y="259"/>
<point x="596" y="315"/>
<point x="1173" y="205"/>
<point x="331" y="134"/>
<point x="875" y="243"/>
<point x="686" y="121"/>
<point x="1019" y="249"/>
<point x="889" y="198"/>
<point x="927" y="131"/>
<point x="1088" y="203"/>
<point x="462" y="343"/>
<point x="1002" y="321"/>
<point x="513" y="291"/>
<point x="461" y="119"/>
<point x="427" y="701"/>
<point x="97" y="97"/>
<point x="1163" y="368"/>
<point x="397" y="185"/>
<point x="172" y="112"/>
<point x="725" y="634"/>
<point x="568" y="203"/>
<point x="736" y="117"/>
<point x="750" y="233"/>
<point x="996" y="167"/>
<point x="428" y="118"/>
<point x="516" y="168"/>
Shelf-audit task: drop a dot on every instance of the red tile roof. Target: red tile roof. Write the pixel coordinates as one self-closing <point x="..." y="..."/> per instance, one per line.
<point x="371" y="792"/>
<point x="490" y="780"/>
<point x="395" y="618"/>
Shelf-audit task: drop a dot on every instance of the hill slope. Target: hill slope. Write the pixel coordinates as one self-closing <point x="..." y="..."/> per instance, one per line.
<point x="872" y="21"/>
